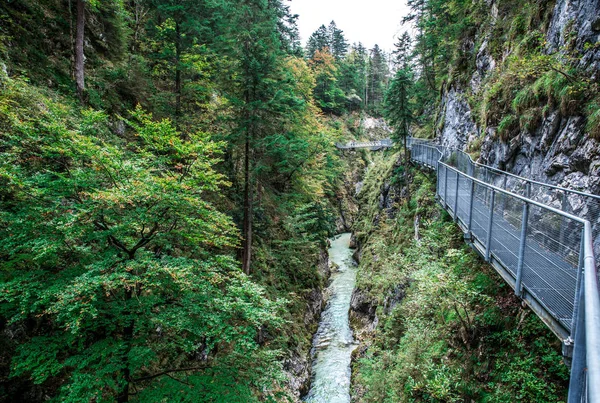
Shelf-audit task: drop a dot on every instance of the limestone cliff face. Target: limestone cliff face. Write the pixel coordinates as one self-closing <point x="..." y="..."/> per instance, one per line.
<point x="557" y="151"/>
<point x="458" y="126"/>
<point x="581" y="17"/>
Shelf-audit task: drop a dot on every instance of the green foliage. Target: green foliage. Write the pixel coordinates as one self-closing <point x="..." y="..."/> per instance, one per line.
<point x="113" y="243"/>
<point x="449" y="329"/>
<point x="398" y="107"/>
<point x="330" y="39"/>
<point x="328" y="95"/>
<point x="346" y="82"/>
<point x="507" y="127"/>
<point x="121" y="228"/>
<point x="593" y="120"/>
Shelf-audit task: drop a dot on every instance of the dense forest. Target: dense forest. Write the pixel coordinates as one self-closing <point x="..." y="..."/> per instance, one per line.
<point x="169" y="182"/>
<point x="167" y="192"/>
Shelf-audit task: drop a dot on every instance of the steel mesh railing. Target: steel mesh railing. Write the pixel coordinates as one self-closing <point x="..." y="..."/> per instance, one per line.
<point x="541" y="238"/>
<point x="385" y="143"/>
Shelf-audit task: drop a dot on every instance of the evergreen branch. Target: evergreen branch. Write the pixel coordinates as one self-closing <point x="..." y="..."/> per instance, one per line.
<point x="167" y="372"/>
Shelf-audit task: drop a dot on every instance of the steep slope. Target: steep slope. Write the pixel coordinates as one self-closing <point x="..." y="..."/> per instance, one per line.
<point x="435" y="322"/>
<point x="527" y="101"/>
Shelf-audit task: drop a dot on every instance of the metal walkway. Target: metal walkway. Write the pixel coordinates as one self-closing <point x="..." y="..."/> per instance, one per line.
<point x="373" y="145"/>
<point x="540" y="239"/>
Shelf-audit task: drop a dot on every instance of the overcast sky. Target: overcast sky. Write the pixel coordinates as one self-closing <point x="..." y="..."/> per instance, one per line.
<point x="368" y="21"/>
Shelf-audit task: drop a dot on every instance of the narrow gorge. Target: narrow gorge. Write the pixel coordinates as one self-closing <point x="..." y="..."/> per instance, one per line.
<point x="299" y="201"/>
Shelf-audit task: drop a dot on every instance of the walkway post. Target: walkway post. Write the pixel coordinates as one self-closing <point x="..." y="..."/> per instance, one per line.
<point x="563" y="221"/>
<point x="490" y="223"/>
<point x="578" y="362"/>
<point x="437" y="184"/>
<point x="471" y="198"/>
<point x="504" y="197"/>
<point x="580" y="269"/>
<point x="445" y="185"/>
<point x="522" y="245"/>
<point x="456" y="197"/>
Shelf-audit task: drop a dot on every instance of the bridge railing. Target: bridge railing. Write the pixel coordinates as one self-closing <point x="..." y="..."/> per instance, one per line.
<point x="544" y="252"/>
<point x="365" y="144"/>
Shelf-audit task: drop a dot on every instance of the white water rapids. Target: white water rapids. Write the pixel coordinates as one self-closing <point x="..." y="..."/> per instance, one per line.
<point x="333" y="343"/>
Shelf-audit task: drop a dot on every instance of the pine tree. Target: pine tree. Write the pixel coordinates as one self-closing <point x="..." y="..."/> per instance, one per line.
<point x="398" y="108"/>
<point x="401" y="53"/>
<point x="352" y="76"/>
<point x="253" y="42"/>
<point x="337" y="42"/>
<point x="319" y="40"/>
<point x="377" y="77"/>
<point x="289" y="34"/>
<point x="180" y="29"/>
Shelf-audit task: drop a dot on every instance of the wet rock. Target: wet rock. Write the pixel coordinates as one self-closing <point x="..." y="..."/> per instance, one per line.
<point x="557" y="164"/>
<point x="363" y="313"/>
<point x="358" y="187"/>
<point x="297" y="365"/>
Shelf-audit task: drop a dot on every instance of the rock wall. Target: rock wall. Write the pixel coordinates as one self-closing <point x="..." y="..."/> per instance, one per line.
<point x="558" y="151"/>
<point x="581" y="17"/>
<point x="298" y="364"/>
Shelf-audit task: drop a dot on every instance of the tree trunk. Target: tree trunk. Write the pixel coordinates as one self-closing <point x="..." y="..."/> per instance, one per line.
<point x="406" y="162"/>
<point x="406" y="147"/>
<point x="246" y="259"/>
<point x="79" y="56"/>
<point x="123" y="396"/>
<point x="177" y="72"/>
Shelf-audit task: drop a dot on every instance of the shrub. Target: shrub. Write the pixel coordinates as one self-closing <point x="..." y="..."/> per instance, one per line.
<point x="593" y="120"/>
<point x="508" y="125"/>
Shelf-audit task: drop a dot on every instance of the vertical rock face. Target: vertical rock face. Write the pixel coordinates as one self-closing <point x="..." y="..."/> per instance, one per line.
<point x="557" y="151"/>
<point x="458" y="124"/>
<point x="485" y="63"/>
<point x="577" y="20"/>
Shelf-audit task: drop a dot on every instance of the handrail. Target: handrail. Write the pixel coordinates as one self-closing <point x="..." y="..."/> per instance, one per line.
<point x="592" y="317"/>
<point x="366" y="144"/>
<point x="528" y="180"/>
<point x="578" y="192"/>
<point x="515" y="195"/>
<point x="586" y="338"/>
